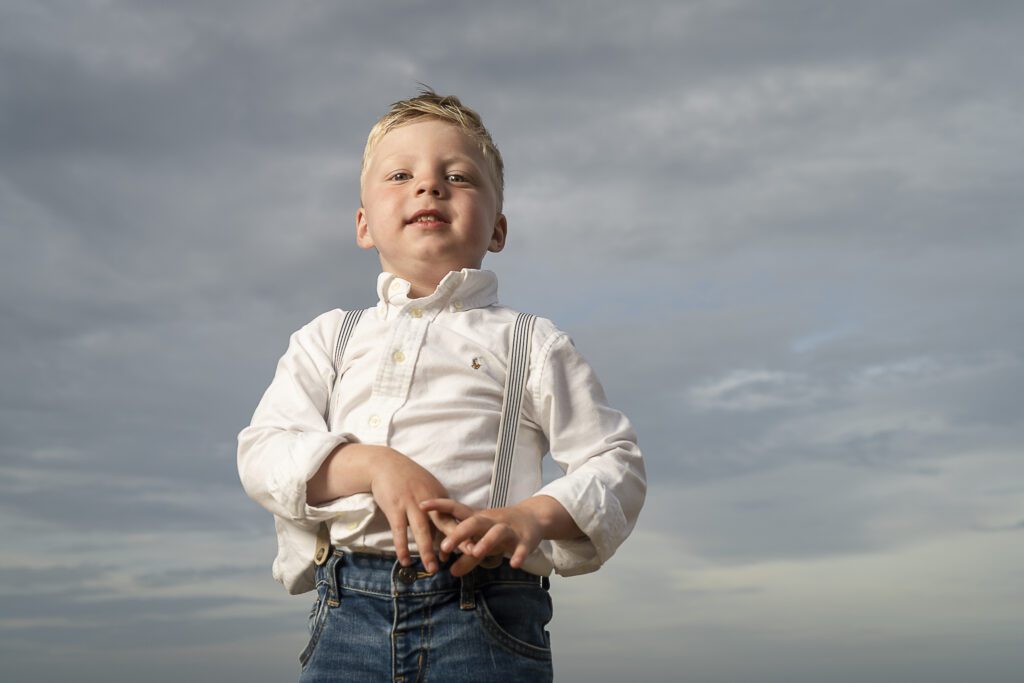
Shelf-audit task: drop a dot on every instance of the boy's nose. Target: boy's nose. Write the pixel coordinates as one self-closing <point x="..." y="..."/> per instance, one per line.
<point x="431" y="186"/>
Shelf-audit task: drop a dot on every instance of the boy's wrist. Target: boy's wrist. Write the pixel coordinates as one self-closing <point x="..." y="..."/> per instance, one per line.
<point x="552" y="519"/>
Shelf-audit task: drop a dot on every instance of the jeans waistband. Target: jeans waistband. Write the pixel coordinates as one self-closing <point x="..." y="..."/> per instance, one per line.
<point x="383" y="575"/>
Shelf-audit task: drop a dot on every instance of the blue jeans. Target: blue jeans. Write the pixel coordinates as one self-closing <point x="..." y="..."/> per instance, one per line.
<point x="374" y="620"/>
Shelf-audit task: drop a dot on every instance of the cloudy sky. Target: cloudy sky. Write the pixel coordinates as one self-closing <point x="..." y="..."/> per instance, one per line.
<point x="787" y="234"/>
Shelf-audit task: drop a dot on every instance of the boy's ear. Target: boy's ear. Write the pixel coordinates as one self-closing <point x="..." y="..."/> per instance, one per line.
<point x="499" y="234"/>
<point x="363" y="237"/>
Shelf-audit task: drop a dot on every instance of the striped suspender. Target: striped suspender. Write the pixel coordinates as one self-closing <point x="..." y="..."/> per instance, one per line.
<point x="511" y="407"/>
<point x="348" y="323"/>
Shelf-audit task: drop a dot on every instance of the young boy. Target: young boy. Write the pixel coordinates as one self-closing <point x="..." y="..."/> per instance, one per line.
<point x="399" y="440"/>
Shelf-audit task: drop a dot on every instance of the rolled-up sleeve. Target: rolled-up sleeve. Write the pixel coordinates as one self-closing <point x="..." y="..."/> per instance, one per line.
<point x="604" y="485"/>
<point x="288" y="439"/>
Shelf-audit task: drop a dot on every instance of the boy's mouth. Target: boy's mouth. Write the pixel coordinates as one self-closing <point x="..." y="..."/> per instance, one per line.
<point x="427" y="217"/>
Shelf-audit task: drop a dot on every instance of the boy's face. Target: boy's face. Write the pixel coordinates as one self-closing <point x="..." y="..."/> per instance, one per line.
<point x="429" y="204"/>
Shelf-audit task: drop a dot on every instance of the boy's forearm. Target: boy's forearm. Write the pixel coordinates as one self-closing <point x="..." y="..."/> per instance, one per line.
<point x="345" y="472"/>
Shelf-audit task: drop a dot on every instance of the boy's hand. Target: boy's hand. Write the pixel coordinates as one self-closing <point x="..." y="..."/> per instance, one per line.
<point x="514" y="530"/>
<point x="398" y="486"/>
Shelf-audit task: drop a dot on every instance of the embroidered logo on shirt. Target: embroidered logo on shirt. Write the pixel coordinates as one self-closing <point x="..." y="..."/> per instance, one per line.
<point x="476" y="363"/>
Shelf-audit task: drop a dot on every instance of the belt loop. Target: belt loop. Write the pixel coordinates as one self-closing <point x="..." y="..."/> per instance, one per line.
<point x="467" y="598"/>
<point x="331" y="569"/>
<point x="323" y="545"/>
<point x="545" y="583"/>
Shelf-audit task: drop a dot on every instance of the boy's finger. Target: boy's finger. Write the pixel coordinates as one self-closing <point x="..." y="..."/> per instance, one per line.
<point x="466" y="548"/>
<point x="436" y="536"/>
<point x="523" y="551"/>
<point x="494" y="541"/>
<point x="466" y="530"/>
<point x="445" y="523"/>
<point x="463" y="565"/>
<point x="423" y="534"/>
<point x="449" y="507"/>
<point x="400" y="534"/>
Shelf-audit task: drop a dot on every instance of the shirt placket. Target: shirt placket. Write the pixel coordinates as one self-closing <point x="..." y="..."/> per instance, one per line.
<point x="395" y="371"/>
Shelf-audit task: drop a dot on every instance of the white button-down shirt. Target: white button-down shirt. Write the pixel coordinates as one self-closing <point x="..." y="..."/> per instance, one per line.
<point x="426" y="377"/>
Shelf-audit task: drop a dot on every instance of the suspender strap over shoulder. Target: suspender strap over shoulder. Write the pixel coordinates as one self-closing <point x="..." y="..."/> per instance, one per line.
<point x="511" y="407"/>
<point x="348" y="323"/>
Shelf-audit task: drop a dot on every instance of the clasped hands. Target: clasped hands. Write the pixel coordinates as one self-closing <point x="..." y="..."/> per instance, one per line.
<point x="479" y="534"/>
<point x="414" y="502"/>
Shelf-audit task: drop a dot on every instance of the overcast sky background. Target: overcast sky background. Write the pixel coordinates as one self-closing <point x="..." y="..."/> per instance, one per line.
<point x="786" y="233"/>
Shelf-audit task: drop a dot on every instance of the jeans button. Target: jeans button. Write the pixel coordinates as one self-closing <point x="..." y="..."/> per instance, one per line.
<point x="407" y="574"/>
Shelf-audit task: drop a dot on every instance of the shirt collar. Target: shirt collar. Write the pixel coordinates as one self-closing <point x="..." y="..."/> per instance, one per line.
<point x="458" y="291"/>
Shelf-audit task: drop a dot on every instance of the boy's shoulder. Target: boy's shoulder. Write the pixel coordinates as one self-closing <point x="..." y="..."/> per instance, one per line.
<point x="543" y="328"/>
<point x="323" y="325"/>
<point x="545" y="331"/>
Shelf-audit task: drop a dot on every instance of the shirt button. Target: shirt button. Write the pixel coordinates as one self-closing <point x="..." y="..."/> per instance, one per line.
<point x="398" y="357"/>
<point x="457" y="305"/>
<point x="374" y="421"/>
<point x="416" y="312"/>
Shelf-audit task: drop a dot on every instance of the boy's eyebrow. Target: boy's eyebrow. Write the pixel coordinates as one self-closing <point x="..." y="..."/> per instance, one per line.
<point x="451" y="159"/>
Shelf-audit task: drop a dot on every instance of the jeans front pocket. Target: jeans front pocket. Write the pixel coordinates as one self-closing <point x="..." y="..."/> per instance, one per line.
<point x="315" y="623"/>
<point x="515" y="615"/>
<point x="326" y="594"/>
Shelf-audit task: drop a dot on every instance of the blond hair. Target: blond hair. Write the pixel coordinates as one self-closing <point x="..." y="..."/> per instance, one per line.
<point x="429" y="105"/>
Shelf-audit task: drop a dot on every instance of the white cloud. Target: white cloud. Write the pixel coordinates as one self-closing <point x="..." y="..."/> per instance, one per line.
<point x="926" y="370"/>
<point x="754" y="390"/>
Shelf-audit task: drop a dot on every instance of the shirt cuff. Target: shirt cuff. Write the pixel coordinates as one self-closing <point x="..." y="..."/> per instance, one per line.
<point x="307" y="453"/>
<point x="597" y="514"/>
<point x="352" y="512"/>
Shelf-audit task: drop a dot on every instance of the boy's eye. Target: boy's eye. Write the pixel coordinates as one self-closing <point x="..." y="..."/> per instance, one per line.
<point x="456" y="178"/>
<point x="400" y="175"/>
